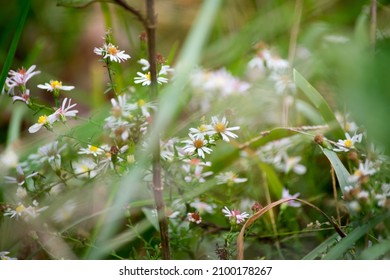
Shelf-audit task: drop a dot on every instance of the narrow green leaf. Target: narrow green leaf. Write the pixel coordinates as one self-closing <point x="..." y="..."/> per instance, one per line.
<point x="342" y="173"/>
<point x="275" y="185"/>
<point x="322" y="248"/>
<point x="320" y="103"/>
<point x="78" y="3"/>
<point x="347" y="242"/>
<point x="15" y="41"/>
<point x="376" y="251"/>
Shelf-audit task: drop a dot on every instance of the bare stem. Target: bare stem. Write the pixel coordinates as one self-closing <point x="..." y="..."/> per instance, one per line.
<point x="157" y="183"/>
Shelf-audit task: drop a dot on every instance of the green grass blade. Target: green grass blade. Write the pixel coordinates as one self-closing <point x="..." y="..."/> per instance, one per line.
<point x="376" y="251"/>
<point x="348" y="242"/>
<point x="14" y="43"/>
<point x="275" y="185"/>
<point x="342" y="173"/>
<point x="319" y="102"/>
<point x="322" y="248"/>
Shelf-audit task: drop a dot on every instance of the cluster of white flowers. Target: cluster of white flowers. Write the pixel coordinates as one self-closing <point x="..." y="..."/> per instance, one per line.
<point x="276" y="153"/>
<point x="220" y="81"/>
<point x="144" y="78"/>
<point x="26" y="213"/>
<point x="268" y="63"/>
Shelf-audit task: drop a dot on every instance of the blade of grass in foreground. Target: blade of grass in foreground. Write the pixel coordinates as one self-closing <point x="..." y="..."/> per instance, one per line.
<point x="17" y="113"/>
<point x="322" y="248"/>
<point x="376" y="251"/>
<point x="15" y="40"/>
<point x="342" y="173"/>
<point x="348" y="242"/>
<point x="319" y="102"/>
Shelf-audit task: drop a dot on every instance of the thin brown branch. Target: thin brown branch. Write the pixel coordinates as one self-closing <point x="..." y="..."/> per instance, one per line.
<point x="158" y="187"/>
<point x="132" y="10"/>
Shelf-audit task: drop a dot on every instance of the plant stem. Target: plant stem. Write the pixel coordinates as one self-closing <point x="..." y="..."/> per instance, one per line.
<point x="157" y="183"/>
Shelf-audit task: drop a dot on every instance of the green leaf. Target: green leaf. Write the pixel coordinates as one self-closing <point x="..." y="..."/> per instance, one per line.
<point x="14" y="43"/>
<point x="276" y="186"/>
<point x="376" y="251"/>
<point x="78" y="3"/>
<point x="342" y="173"/>
<point x="319" y="102"/>
<point x="348" y="242"/>
<point x="322" y="248"/>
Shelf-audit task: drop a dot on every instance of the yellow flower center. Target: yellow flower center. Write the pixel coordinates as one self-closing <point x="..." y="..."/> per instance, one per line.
<point x="142" y="102"/>
<point x="42" y="120"/>
<point x="93" y="149"/>
<point x="148" y="76"/>
<point x="198" y="143"/>
<point x="55" y="84"/>
<point x="202" y="128"/>
<point x="348" y="143"/>
<point x="112" y="50"/>
<point x="20" y="208"/>
<point x="85" y="169"/>
<point x="220" y="127"/>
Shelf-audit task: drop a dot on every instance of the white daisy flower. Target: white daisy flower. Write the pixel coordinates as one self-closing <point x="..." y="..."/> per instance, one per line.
<point x="235" y="216"/>
<point x="229" y="178"/>
<point x="85" y="168"/>
<point x="292" y="203"/>
<point x="196" y="144"/>
<point x="43" y="120"/>
<point x="91" y="150"/>
<point x="110" y="51"/>
<point x="349" y="143"/>
<point x="145" y="79"/>
<point x="55" y="85"/>
<point x="221" y="127"/>
<point x="64" y="111"/>
<point x="20" y="179"/>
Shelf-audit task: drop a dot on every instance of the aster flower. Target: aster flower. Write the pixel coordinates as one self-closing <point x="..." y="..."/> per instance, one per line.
<point x="145" y="79"/>
<point x="221" y="127"/>
<point x="230" y="178"/>
<point x="85" y="168"/>
<point x="4" y="257"/>
<point x="20" y="179"/>
<point x="365" y="170"/>
<point x="43" y="120"/>
<point x="24" y="97"/>
<point x="50" y="153"/>
<point x="202" y="207"/>
<point x="55" y="86"/>
<point x="31" y="211"/>
<point x="19" y="78"/>
<point x="202" y="130"/>
<point x="196" y="144"/>
<point x="111" y="52"/>
<point x="344" y="145"/>
<point x="292" y="203"/>
<point x="92" y="150"/>
<point x="64" y="111"/>
<point x="194" y="170"/>
<point x="235" y="216"/>
<point x="288" y="163"/>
